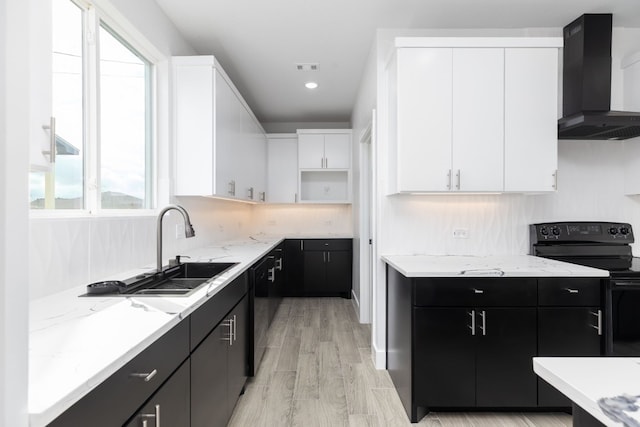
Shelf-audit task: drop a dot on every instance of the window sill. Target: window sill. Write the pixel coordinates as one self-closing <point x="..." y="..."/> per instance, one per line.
<point x="70" y="213"/>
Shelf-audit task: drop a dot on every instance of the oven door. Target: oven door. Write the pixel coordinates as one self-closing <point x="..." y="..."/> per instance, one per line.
<point x="623" y="317"/>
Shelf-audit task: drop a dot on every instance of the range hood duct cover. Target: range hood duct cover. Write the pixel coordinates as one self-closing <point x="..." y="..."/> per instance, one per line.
<point x="586" y="84"/>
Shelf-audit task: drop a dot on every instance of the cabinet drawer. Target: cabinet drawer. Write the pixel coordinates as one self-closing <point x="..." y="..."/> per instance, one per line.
<point x="485" y="292"/>
<point x="327" y="244"/>
<point x="569" y="291"/>
<point x="119" y="396"/>
<point x="205" y="318"/>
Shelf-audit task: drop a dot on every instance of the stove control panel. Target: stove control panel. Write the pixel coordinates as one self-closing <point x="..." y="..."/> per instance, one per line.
<point x="584" y="232"/>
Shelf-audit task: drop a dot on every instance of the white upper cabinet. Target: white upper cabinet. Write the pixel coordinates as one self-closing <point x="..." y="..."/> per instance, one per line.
<point x="220" y="146"/>
<point x="478" y="115"/>
<point x="282" y="167"/>
<point x="324" y="166"/>
<point x="424" y="119"/>
<point x="531" y="119"/>
<point x="327" y="150"/>
<point x="467" y="114"/>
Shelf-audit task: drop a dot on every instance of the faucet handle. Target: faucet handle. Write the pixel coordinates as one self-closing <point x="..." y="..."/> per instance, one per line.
<point x="176" y="261"/>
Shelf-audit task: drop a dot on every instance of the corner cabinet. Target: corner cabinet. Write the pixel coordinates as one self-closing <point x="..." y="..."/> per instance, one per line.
<point x="469" y="114"/>
<point x="324" y="165"/>
<point x="221" y="148"/>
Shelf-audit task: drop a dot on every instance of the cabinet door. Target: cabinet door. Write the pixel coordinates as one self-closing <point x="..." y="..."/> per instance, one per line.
<point x="310" y="151"/>
<point x="314" y="264"/>
<point x="424" y="119"/>
<point x="565" y="332"/>
<point x="209" y="389"/>
<point x="531" y="114"/>
<point x="478" y="119"/>
<point x="338" y="272"/>
<point x="194" y="112"/>
<point x="225" y="128"/>
<point x="238" y="362"/>
<point x="337" y="151"/>
<point x="505" y="348"/>
<point x="444" y="372"/>
<point x="282" y="167"/>
<point x="169" y="404"/>
<point x="294" y="268"/>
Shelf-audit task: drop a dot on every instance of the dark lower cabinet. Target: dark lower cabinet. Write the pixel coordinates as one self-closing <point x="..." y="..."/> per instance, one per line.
<point x="445" y="369"/>
<point x="294" y="270"/>
<point x="169" y="406"/>
<point x="218" y="370"/>
<point x="475" y="357"/>
<point x="318" y="267"/>
<point x="469" y="342"/>
<point x="506" y="345"/>
<point x="565" y="332"/>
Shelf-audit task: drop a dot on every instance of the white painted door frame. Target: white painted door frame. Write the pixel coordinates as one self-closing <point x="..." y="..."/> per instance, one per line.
<point x="366" y="221"/>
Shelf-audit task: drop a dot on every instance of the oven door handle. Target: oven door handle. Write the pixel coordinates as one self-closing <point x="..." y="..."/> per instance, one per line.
<point x="615" y="283"/>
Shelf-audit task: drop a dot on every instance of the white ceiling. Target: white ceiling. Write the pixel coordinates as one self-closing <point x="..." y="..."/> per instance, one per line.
<point x="259" y="41"/>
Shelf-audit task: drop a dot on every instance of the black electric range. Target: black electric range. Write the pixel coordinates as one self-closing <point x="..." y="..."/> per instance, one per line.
<point x="603" y="245"/>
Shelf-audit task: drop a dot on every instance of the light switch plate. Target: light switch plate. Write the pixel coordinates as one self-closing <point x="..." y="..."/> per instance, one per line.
<point x="460" y="233"/>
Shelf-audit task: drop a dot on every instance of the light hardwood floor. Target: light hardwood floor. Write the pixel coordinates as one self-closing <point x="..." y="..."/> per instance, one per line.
<point x="318" y="371"/>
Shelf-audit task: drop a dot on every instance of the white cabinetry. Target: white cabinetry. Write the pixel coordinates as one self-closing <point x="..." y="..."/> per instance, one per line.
<point x="324" y="165"/>
<point x="530" y="125"/>
<point x="469" y="114"/>
<point x="220" y="146"/>
<point x="282" y="167"/>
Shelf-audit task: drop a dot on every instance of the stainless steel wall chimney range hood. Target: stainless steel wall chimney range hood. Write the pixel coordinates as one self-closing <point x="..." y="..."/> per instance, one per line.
<point x="586" y="79"/>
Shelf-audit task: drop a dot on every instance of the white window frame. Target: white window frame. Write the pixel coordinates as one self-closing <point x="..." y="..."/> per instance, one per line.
<point x="95" y="13"/>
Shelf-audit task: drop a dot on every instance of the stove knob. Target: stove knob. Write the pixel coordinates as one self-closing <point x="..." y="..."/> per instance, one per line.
<point x="613" y="231"/>
<point x="555" y="231"/>
<point x="544" y="231"/>
<point x="624" y="230"/>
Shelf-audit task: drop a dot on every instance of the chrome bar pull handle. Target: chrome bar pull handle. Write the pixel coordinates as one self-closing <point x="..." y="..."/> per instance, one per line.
<point x="572" y="291"/>
<point x="155" y="415"/>
<point x="302" y="245"/>
<point x="272" y="274"/>
<point x="555" y="180"/>
<point x="229" y="336"/>
<point x="232" y="188"/>
<point x="250" y="193"/>
<point x="235" y="322"/>
<point x="478" y="291"/>
<point x="449" y="180"/>
<point x="146" y="376"/>
<point x="52" y="140"/>
<point x="279" y="264"/>
<point x="598" y="326"/>
<point x="483" y="315"/>
<point x="458" y="180"/>
<point x="472" y="313"/>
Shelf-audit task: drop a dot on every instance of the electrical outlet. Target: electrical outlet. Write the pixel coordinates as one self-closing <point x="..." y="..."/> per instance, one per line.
<point x="460" y="233"/>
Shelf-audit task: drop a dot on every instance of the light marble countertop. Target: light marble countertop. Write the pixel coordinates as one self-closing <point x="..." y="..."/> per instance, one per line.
<point x="596" y="383"/>
<point x="487" y="266"/>
<point x="76" y="343"/>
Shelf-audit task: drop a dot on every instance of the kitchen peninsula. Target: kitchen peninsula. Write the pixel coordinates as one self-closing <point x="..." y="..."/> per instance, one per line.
<point x="462" y="330"/>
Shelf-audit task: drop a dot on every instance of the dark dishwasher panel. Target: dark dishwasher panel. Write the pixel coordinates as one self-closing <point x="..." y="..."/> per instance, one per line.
<point x="261" y="281"/>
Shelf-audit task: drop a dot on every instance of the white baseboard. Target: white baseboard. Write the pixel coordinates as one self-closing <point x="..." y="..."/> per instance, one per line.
<point x="356" y="304"/>
<point x="379" y="357"/>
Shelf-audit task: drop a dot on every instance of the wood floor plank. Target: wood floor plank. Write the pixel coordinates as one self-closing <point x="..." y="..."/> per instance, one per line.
<point x="329" y="360"/>
<point x="289" y="354"/>
<point x="268" y="365"/>
<point x="309" y="340"/>
<point x="346" y="347"/>
<point x="307" y="377"/>
<point x="548" y="420"/>
<point x="314" y="413"/>
<point x="280" y="399"/>
<point x="251" y="407"/>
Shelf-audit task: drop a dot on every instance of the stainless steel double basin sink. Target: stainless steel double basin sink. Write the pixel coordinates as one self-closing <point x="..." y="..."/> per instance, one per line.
<point x="179" y="280"/>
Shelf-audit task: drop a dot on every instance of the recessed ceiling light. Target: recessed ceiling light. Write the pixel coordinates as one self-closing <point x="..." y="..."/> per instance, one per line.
<point x="311" y="85"/>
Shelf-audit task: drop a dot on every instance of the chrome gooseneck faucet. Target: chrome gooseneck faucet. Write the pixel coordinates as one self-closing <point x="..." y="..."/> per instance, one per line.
<point x="188" y="230"/>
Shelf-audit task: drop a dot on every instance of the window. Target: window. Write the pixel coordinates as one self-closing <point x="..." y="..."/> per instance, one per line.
<point x="102" y="101"/>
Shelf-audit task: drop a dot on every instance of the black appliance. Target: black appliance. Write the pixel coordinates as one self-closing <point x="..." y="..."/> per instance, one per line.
<point x="586" y="84"/>
<point x="261" y="279"/>
<point x="603" y="245"/>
